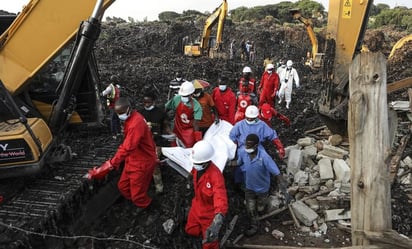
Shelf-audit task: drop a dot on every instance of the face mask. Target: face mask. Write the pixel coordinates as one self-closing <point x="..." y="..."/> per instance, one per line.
<point x="222" y="87"/>
<point x="251" y="122"/>
<point x="196" y="95"/>
<point x="149" y="108"/>
<point x="198" y="167"/>
<point x="178" y="79"/>
<point x="250" y="150"/>
<point x="184" y="99"/>
<point x="124" y="116"/>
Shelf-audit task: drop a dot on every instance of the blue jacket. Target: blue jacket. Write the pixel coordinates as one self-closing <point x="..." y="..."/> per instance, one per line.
<point x="257" y="171"/>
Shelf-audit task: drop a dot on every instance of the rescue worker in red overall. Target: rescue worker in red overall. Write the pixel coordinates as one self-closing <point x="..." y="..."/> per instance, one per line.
<point x="248" y="78"/>
<point x="267" y="112"/>
<point x="138" y="152"/>
<point x="209" y="205"/>
<point x="187" y="112"/>
<point x="225" y="101"/>
<point x="244" y="98"/>
<point x="112" y="94"/>
<point x="268" y="87"/>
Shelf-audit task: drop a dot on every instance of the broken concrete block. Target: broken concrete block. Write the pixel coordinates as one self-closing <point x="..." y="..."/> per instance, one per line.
<point x="301" y="178"/>
<point x="337" y="214"/>
<point x="319" y="145"/>
<point x="306" y="141"/>
<point x="325" y="169"/>
<point x="407" y="179"/>
<point x="407" y="161"/>
<point x="342" y="171"/>
<point x="313" y="204"/>
<point x="273" y="203"/>
<point x="333" y="152"/>
<point x="289" y="148"/>
<point x="335" y="139"/>
<point x="345" y="188"/>
<point x="304" y="213"/>
<point x="314" y="180"/>
<point x="278" y="234"/>
<point x="294" y="161"/>
<point x="310" y="151"/>
<point x="169" y="225"/>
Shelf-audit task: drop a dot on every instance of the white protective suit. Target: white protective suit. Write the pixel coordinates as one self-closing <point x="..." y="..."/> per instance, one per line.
<point x="287" y="76"/>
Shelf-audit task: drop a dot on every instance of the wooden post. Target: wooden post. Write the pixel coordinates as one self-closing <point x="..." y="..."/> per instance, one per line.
<point x="369" y="147"/>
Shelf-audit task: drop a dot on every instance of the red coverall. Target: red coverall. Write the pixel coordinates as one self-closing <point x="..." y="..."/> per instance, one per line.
<point x="210" y="199"/>
<point x="183" y="126"/>
<point x="243" y="101"/>
<point x="252" y="83"/>
<point x="225" y="103"/>
<point x="138" y="151"/>
<point x="269" y="84"/>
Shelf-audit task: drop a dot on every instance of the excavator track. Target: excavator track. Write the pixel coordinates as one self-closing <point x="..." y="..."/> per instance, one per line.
<point x="49" y="203"/>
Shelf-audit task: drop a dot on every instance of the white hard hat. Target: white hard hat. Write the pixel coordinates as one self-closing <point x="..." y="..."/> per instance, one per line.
<point x="270" y="66"/>
<point x="186" y="88"/>
<point x="246" y="70"/>
<point x="202" y="152"/>
<point x="252" y="111"/>
<point x="289" y="63"/>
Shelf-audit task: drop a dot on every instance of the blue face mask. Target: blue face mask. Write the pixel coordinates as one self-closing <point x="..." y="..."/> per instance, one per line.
<point x="250" y="150"/>
<point x="222" y="88"/>
<point x="124" y="116"/>
<point x="184" y="99"/>
<point x="199" y="167"/>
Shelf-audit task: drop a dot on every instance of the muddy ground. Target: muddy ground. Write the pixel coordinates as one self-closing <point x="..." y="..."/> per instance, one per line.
<point x="149" y="54"/>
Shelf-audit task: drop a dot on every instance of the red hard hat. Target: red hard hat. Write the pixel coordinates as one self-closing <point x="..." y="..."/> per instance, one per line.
<point x="266" y="111"/>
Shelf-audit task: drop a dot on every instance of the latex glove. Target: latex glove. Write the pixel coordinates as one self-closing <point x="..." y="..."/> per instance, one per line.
<point x="280" y="148"/>
<point x="100" y="172"/>
<point x="198" y="136"/>
<point x="212" y="232"/>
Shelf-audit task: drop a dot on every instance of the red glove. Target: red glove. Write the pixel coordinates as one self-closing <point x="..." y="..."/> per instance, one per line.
<point x="280" y="148"/>
<point x="100" y="172"/>
<point x="198" y="136"/>
<point x="284" y="119"/>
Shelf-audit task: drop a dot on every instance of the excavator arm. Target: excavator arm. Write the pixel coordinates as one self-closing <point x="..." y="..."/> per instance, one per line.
<point x="340" y="48"/>
<point x="218" y="17"/>
<point x="38" y="33"/>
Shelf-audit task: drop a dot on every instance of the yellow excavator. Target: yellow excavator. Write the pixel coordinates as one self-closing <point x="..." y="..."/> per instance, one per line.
<point x="48" y="80"/>
<point x="209" y="45"/>
<point x="340" y="48"/>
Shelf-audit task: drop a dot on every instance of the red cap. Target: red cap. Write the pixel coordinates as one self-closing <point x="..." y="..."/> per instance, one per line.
<point x="266" y="111"/>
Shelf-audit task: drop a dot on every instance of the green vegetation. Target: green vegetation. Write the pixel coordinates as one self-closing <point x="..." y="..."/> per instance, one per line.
<point x="381" y="14"/>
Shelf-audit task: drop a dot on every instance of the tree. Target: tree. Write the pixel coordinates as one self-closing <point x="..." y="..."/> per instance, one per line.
<point x="168" y="15"/>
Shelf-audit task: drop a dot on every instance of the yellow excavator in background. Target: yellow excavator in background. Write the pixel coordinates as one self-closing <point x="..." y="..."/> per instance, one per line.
<point x="209" y="45"/>
<point x="313" y="58"/>
<point x="399" y="44"/>
<point x="48" y="79"/>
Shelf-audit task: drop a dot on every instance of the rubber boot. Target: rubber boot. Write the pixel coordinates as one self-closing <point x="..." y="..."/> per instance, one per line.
<point x="287" y="104"/>
<point x="157" y="178"/>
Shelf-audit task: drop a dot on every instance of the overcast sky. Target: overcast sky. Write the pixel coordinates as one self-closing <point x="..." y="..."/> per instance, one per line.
<point x="139" y="10"/>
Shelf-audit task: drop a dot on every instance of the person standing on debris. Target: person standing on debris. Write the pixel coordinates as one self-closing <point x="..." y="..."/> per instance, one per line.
<point x="209" y="205"/>
<point x="252" y="124"/>
<point x="258" y="167"/>
<point x="112" y="94"/>
<point x="287" y="77"/>
<point x="209" y="112"/>
<point x="267" y="112"/>
<point x="225" y="101"/>
<point x="268" y="87"/>
<point x="158" y="123"/>
<point x="232" y="50"/>
<point x="138" y="152"/>
<point x="244" y="98"/>
<point x="174" y="85"/>
<point x="187" y="113"/>
<point x="247" y="78"/>
<point x="281" y="65"/>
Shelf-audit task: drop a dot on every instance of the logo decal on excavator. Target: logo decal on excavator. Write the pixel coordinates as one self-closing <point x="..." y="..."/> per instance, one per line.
<point x="347" y="9"/>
